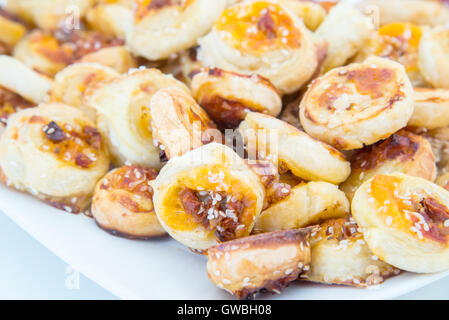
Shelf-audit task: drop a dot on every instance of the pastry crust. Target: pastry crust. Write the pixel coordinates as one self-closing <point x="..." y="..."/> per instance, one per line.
<point x="11" y="30"/>
<point x="405" y="221"/>
<point x="345" y="29"/>
<point x="123" y="110"/>
<point x="34" y="89"/>
<point x="358" y="104"/>
<point x="291" y="149"/>
<point x="268" y="261"/>
<point x="207" y="196"/>
<point x="116" y="57"/>
<point x="443" y="181"/>
<point x="162" y="28"/>
<point x="397" y="41"/>
<point x="179" y="124"/>
<point x="439" y="140"/>
<point x="311" y="13"/>
<point x="72" y="82"/>
<point x="308" y="203"/>
<point x="403" y="152"/>
<point x="341" y="256"/>
<point x="122" y="204"/>
<point x="433" y="53"/>
<point x="264" y="38"/>
<point x="113" y="19"/>
<point x="228" y="96"/>
<point x="54" y="152"/>
<point x="431" y="108"/>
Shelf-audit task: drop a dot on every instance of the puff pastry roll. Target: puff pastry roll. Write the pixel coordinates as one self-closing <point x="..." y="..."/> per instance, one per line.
<point x="405" y="221"/>
<point x="49" y="14"/>
<point x="439" y="140"/>
<point x="11" y="31"/>
<point x="421" y="12"/>
<point x="179" y="124"/>
<point x="268" y="262"/>
<point x="341" y="256"/>
<point x="345" y="29"/>
<point x="398" y="41"/>
<point x="207" y="196"/>
<point x="190" y="65"/>
<point x="228" y="96"/>
<point x="122" y="204"/>
<point x="55" y="153"/>
<point x="113" y="19"/>
<point x="163" y="27"/>
<point x="71" y="83"/>
<point x="49" y="52"/>
<point x="443" y="181"/>
<point x="358" y="104"/>
<point x="312" y="13"/>
<point x="264" y="38"/>
<point x="433" y="53"/>
<point x="402" y="152"/>
<point x="116" y="57"/>
<point x="431" y="108"/>
<point x="292" y="150"/>
<point x="306" y="204"/>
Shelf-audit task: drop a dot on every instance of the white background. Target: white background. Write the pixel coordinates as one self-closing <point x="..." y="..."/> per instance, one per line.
<point x="29" y="271"/>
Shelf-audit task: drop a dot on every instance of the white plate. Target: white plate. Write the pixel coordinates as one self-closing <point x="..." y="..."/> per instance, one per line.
<point x="159" y="269"/>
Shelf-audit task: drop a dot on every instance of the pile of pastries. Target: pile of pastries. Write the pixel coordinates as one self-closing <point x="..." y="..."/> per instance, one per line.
<point x="286" y="140"/>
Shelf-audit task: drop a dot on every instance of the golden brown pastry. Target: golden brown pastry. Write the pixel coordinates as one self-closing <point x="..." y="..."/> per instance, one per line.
<point x="113" y="19"/>
<point x="11" y="31"/>
<point x="306" y="204"/>
<point x="268" y="261"/>
<point x="401" y="152"/>
<point x="207" y="196"/>
<point x="341" y="256"/>
<point x="431" y="108"/>
<point x="55" y="153"/>
<point x="311" y="13"/>
<point x="228" y="96"/>
<point x="122" y="204"/>
<point x="443" y="181"/>
<point x="397" y="41"/>
<point x="439" y="140"/>
<point x="433" y="53"/>
<point x="116" y="57"/>
<point x="162" y="28"/>
<point x="264" y="38"/>
<point x="405" y="221"/>
<point x="71" y="83"/>
<point x="358" y="104"/>
<point x="178" y="123"/>
<point x="123" y="110"/>
<point x="292" y="150"/>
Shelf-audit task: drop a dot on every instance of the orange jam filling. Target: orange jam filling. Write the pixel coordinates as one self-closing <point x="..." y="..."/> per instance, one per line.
<point x="211" y="178"/>
<point x="258" y="26"/>
<point x="424" y="218"/>
<point x="77" y="148"/>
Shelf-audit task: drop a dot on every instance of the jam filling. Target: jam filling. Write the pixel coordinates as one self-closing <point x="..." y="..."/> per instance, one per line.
<point x="214" y="210"/>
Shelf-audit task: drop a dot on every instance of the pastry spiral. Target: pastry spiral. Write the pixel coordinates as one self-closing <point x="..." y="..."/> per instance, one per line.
<point x="431" y="108"/>
<point x="163" y="27"/>
<point x="123" y="111"/>
<point x="228" y="96"/>
<point x="208" y="195"/>
<point x="264" y="38"/>
<point x="113" y="19"/>
<point x="358" y="104"/>
<point x="123" y="206"/>
<point x="405" y="221"/>
<point x="54" y="152"/>
<point x="341" y="256"/>
<point x="292" y="150"/>
<point x="401" y="152"/>
<point x="268" y="261"/>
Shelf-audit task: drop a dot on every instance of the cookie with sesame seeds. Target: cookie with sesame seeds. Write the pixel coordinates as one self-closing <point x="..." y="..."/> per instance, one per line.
<point x="123" y="206"/>
<point x="403" y="152"/>
<point x="268" y="262"/>
<point x="292" y="150"/>
<point x="340" y="255"/>
<point x="358" y="104"/>
<point x="172" y="25"/>
<point x="228" y="96"/>
<point x="71" y="83"/>
<point x="305" y="204"/>
<point x="55" y="153"/>
<point x="123" y="114"/>
<point x="405" y="221"/>
<point x="261" y="37"/>
<point x="207" y="196"/>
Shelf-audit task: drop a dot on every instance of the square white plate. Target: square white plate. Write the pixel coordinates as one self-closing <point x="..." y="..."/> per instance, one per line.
<point x="157" y="269"/>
